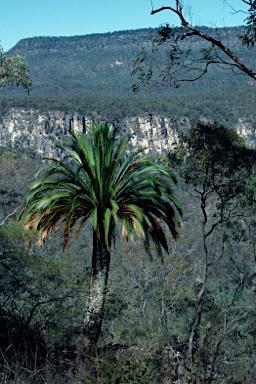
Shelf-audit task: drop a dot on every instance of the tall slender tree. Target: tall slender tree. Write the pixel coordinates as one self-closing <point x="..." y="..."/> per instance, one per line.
<point x="215" y="161"/>
<point x="104" y="181"/>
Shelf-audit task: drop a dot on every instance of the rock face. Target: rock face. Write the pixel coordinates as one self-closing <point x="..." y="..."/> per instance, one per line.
<point x="43" y="132"/>
<point x="247" y="129"/>
<point x="38" y="132"/>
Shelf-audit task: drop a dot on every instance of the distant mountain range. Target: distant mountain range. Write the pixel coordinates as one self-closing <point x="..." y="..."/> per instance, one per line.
<point x="92" y="74"/>
<point x="97" y="65"/>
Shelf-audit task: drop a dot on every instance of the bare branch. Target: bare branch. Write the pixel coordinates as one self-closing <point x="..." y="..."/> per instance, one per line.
<point x="181" y="65"/>
<point x="204" y="36"/>
<point x="10" y="214"/>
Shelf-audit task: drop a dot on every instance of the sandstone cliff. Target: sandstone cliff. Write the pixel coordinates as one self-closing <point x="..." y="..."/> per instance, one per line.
<point x="40" y="132"/>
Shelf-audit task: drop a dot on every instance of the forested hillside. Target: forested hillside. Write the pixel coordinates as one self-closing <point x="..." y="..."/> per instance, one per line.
<point x="92" y="73"/>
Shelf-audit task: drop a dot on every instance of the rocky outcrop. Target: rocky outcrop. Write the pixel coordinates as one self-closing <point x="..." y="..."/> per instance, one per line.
<point x="43" y="132"/>
<point x="155" y="133"/>
<point x="247" y="129"/>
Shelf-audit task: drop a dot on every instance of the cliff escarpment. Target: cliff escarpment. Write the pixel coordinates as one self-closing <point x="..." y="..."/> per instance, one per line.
<point x="43" y="132"/>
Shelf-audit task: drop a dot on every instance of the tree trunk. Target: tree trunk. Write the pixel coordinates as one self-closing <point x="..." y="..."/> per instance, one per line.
<point x="98" y="286"/>
<point x="201" y="293"/>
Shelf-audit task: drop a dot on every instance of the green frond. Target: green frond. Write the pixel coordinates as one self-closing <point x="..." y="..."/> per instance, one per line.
<point x="138" y="228"/>
<point x="94" y="218"/>
<point x="127" y="229"/>
<point x="107" y="225"/>
<point x="134" y="211"/>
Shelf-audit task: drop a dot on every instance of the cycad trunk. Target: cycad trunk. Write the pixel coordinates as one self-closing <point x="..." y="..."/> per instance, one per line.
<point x="98" y="286"/>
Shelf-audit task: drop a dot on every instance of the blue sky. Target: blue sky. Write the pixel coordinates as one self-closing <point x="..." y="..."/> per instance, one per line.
<point x="28" y="18"/>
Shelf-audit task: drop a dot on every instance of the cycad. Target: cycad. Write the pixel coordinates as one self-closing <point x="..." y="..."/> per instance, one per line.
<point x="102" y="181"/>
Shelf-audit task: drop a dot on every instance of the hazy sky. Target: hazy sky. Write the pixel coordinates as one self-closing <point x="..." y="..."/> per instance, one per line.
<point x="28" y="18"/>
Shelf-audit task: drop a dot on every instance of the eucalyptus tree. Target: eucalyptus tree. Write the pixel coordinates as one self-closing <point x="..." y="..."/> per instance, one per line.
<point x="103" y="181"/>
<point x="13" y="71"/>
<point x="220" y="168"/>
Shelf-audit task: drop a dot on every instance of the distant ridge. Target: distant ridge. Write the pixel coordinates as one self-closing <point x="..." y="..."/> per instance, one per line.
<point x="101" y="64"/>
<point x="93" y="73"/>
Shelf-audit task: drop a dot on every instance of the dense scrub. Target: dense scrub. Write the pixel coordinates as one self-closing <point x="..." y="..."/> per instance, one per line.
<point x="224" y="106"/>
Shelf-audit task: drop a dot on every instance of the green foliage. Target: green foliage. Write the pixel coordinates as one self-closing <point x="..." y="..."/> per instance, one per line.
<point x="13" y="71"/>
<point x="23" y="301"/>
<point x="15" y="170"/>
<point x="248" y="38"/>
<point x="132" y="366"/>
<point x="225" y="105"/>
<point x="216" y="158"/>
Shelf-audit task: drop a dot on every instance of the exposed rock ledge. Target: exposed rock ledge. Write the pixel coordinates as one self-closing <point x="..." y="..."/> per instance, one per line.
<point x="42" y="131"/>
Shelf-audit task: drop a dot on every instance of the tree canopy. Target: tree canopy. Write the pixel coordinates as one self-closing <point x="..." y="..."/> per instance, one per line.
<point x="13" y="71"/>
